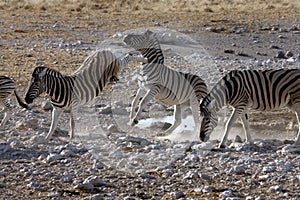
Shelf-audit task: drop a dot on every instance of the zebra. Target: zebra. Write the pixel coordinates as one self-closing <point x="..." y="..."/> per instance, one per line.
<point x="166" y="85"/>
<point x="7" y="89"/>
<point x="68" y="92"/>
<point x="263" y="90"/>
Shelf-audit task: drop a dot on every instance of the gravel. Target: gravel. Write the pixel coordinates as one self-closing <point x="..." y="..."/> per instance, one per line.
<point x="111" y="160"/>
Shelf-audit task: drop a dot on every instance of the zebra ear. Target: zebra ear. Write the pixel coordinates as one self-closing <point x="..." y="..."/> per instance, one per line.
<point x="148" y="33"/>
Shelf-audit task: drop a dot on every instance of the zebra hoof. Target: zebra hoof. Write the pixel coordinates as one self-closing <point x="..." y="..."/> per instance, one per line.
<point x="221" y="146"/>
<point x="134" y="122"/>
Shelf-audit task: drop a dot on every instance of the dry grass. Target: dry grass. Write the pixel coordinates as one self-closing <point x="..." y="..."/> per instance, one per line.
<point x="27" y="21"/>
<point x="154" y="5"/>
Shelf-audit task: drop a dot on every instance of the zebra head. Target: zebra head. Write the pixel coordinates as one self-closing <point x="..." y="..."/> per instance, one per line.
<point x="37" y="85"/>
<point x="210" y="120"/>
<point x="147" y="44"/>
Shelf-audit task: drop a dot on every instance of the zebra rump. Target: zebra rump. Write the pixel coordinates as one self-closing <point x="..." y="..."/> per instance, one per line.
<point x="7" y="88"/>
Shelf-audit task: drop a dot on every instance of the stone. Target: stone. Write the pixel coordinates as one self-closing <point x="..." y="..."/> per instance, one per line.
<point x="38" y="139"/>
<point x="53" y="157"/>
<point x="112" y="128"/>
<point x="88" y="187"/>
<point x="46" y="105"/>
<point x="280" y="55"/>
<point x="177" y="195"/>
<point x="289" y="54"/>
<point x="5" y="147"/>
<point x="276" y="188"/>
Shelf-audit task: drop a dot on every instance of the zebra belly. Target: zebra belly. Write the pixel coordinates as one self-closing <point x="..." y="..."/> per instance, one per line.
<point x="168" y="97"/>
<point x="268" y="106"/>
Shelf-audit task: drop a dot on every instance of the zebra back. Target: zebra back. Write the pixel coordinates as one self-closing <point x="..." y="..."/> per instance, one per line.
<point x="266" y="89"/>
<point x="198" y="85"/>
<point x="100" y="63"/>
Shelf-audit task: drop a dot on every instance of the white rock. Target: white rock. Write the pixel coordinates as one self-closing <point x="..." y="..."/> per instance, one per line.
<point x="226" y="194"/>
<point x="68" y="178"/>
<point x="268" y="169"/>
<point x="204" y="176"/>
<point x="96" y="181"/>
<point x="263" y="177"/>
<point x="112" y="128"/>
<point x="276" y="188"/>
<point x="46" y="105"/>
<point x="54" y="195"/>
<point x="17" y="144"/>
<point x="85" y="186"/>
<point x="96" y="197"/>
<point x="191" y="175"/>
<point x="38" y="139"/>
<point x="53" y="157"/>
<point x="67" y="153"/>
<point x="208" y="189"/>
<point x="177" y="195"/>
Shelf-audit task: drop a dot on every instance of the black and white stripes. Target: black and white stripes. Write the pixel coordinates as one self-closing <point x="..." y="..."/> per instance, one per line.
<point x="7" y="88"/>
<point x="163" y="83"/>
<point x="71" y="91"/>
<point x="260" y="90"/>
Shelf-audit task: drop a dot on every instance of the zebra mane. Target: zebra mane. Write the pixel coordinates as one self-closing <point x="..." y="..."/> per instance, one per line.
<point x="47" y="71"/>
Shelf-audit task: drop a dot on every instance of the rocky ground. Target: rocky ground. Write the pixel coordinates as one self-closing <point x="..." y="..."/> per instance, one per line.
<point x="110" y="160"/>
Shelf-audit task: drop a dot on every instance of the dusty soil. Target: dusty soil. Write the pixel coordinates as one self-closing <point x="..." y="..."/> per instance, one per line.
<point x="60" y="34"/>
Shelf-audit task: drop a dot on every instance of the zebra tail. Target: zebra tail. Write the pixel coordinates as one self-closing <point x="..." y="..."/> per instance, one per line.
<point x="24" y="105"/>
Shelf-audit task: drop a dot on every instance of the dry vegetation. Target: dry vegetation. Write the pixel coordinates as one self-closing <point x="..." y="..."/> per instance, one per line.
<point x="25" y="23"/>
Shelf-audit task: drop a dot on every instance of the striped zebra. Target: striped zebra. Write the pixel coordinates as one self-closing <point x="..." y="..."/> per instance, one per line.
<point x="166" y="85"/>
<point x="67" y="92"/>
<point x="260" y="90"/>
<point x="7" y="89"/>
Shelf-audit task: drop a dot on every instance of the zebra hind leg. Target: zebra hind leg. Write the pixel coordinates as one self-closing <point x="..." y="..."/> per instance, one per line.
<point x="195" y="107"/>
<point x="55" y="118"/>
<point x="245" y="121"/>
<point x="72" y="122"/>
<point x="134" y="105"/>
<point x="142" y="104"/>
<point x="297" y="110"/>
<point x="7" y="112"/>
<point x="177" y="119"/>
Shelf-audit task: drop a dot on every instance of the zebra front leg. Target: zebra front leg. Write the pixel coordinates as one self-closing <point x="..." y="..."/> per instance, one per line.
<point x="245" y="121"/>
<point x="195" y="107"/>
<point x="55" y="117"/>
<point x="149" y="95"/>
<point x="234" y="115"/>
<point x="177" y="119"/>
<point x="6" y="117"/>
<point x="133" y="106"/>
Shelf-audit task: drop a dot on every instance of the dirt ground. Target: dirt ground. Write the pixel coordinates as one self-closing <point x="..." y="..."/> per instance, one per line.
<point x="27" y="27"/>
<point x="60" y="34"/>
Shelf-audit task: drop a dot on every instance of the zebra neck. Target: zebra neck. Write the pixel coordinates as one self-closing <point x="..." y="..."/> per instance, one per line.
<point x="218" y="97"/>
<point x="153" y="55"/>
<point x="56" y="85"/>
